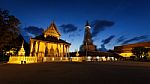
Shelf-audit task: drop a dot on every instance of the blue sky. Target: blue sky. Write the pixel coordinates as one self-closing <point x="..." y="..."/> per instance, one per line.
<point x="130" y="17"/>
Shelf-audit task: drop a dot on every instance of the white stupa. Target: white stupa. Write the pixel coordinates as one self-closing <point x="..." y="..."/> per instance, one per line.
<point x="21" y="52"/>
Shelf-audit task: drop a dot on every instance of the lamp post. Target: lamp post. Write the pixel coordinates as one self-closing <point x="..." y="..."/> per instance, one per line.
<point x="86" y="51"/>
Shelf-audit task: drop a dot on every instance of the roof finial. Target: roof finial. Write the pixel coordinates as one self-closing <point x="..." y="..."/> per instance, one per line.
<point x="53" y="20"/>
<point x="87" y="23"/>
<point x="22" y="43"/>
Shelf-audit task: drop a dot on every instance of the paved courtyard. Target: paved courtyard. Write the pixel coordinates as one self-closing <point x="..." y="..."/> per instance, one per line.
<point x="76" y="73"/>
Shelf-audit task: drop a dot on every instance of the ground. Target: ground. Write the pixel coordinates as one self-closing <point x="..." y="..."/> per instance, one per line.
<point x="76" y="73"/>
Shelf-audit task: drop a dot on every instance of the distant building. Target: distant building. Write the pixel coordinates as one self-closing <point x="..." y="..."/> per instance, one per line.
<point x="49" y="44"/>
<point x="87" y="42"/>
<point x="126" y="50"/>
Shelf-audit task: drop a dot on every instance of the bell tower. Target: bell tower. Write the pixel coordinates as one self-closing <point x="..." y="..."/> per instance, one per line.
<point x="87" y="42"/>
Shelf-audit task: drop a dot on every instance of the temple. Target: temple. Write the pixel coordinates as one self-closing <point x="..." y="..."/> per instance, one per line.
<point x="49" y="44"/>
<point x="44" y="48"/>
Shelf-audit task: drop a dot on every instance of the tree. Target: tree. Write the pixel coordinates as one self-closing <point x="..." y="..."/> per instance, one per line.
<point x="145" y="53"/>
<point x="9" y="29"/>
<point x="139" y="52"/>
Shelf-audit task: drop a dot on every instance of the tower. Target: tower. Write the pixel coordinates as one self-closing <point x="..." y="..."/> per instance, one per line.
<point x="87" y="42"/>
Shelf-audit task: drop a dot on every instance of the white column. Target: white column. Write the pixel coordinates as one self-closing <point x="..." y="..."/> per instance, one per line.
<point x="45" y="48"/>
<point x="68" y="51"/>
<point x="63" y="50"/>
<point x="36" y="48"/>
<point x="60" y="50"/>
<point x="31" y="47"/>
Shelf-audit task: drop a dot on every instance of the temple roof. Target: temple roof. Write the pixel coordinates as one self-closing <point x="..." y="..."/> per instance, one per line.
<point x="52" y="31"/>
<point x="140" y="44"/>
<point x="50" y="39"/>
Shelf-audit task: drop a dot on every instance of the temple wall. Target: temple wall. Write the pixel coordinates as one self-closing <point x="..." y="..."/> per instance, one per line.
<point x="28" y="60"/>
<point x="77" y="59"/>
<point x="22" y="59"/>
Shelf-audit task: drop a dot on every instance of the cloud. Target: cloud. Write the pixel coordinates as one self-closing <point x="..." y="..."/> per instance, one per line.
<point x="67" y="28"/>
<point x="103" y="48"/>
<point x="121" y="39"/>
<point x="136" y="39"/>
<point x="34" y="30"/>
<point x="107" y="40"/>
<point x="73" y="35"/>
<point x="100" y="25"/>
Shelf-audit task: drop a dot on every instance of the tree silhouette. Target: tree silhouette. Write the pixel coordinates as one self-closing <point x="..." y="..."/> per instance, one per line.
<point x="140" y="52"/>
<point x="9" y="29"/>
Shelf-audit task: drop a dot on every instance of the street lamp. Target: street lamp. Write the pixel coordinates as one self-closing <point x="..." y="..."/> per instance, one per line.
<point x="86" y="50"/>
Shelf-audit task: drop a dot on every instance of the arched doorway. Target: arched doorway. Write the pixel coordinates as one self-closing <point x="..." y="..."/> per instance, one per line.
<point x="52" y="52"/>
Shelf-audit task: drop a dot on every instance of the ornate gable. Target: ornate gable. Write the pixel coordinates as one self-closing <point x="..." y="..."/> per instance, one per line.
<point x="52" y="31"/>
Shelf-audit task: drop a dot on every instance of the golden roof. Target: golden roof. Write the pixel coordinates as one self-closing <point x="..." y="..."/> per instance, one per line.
<point x="52" y="31"/>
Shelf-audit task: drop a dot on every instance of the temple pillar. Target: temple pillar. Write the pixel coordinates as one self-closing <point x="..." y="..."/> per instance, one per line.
<point x="45" y="53"/>
<point x="38" y="47"/>
<point x="57" y="50"/>
<point x="66" y="50"/>
<point x="31" y="47"/>
<point x="63" y="50"/>
<point x="60" y="50"/>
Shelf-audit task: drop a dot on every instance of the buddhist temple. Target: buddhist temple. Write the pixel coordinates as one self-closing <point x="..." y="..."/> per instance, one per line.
<point x="49" y="44"/>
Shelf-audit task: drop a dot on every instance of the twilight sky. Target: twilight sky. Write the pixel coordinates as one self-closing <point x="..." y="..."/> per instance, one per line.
<point x="113" y="22"/>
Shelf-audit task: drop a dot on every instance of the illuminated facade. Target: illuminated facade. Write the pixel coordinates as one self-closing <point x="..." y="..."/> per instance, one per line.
<point x="49" y="44"/>
<point x="126" y="50"/>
